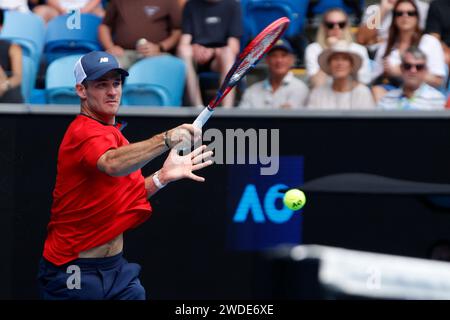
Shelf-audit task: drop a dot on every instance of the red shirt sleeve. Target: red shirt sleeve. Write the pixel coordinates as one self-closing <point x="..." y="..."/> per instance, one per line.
<point x="95" y="146"/>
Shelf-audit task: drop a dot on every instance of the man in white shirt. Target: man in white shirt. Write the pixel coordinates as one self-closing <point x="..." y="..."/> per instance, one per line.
<point x="281" y="89"/>
<point x="415" y="93"/>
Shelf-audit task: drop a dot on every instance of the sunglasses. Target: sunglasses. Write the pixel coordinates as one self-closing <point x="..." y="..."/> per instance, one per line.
<point x="340" y="24"/>
<point x="410" y="13"/>
<point x="409" y="66"/>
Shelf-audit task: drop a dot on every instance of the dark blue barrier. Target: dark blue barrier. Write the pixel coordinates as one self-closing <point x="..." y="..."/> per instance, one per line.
<point x="183" y="247"/>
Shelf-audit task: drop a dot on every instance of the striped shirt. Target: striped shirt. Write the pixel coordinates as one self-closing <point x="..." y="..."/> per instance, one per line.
<point x="424" y="98"/>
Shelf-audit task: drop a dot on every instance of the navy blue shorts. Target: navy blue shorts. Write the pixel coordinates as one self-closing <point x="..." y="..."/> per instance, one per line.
<point x="111" y="278"/>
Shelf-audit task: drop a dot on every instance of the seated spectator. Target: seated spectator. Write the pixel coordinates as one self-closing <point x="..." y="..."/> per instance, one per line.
<point x="374" y="29"/>
<point x="281" y="89"/>
<point x="438" y="24"/>
<point x="16" y="5"/>
<point x="134" y="30"/>
<point x="210" y="41"/>
<point x="335" y="26"/>
<point x="54" y="8"/>
<point x="404" y="33"/>
<point x="342" y="63"/>
<point x="415" y="94"/>
<point x="10" y="70"/>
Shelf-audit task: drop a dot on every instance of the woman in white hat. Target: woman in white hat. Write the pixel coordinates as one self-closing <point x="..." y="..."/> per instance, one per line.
<point x="342" y="64"/>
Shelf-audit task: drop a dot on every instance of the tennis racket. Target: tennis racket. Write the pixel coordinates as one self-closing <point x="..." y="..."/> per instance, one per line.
<point x="246" y="60"/>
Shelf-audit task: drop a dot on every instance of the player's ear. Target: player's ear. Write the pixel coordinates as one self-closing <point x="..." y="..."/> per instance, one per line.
<point x="81" y="91"/>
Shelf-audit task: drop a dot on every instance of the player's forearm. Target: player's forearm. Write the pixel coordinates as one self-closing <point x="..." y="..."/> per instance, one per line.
<point x="104" y="36"/>
<point x="127" y="159"/>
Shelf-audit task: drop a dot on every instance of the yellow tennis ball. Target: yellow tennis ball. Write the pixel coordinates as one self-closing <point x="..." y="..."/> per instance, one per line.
<point x="294" y="199"/>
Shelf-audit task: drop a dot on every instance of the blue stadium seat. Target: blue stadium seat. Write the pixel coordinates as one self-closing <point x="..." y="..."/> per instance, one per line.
<point x="260" y="13"/>
<point x="29" y="73"/>
<point x="27" y="30"/>
<point x="60" y="81"/>
<point x="61" y="40"/>
<point x="155" y="81"/>
<point x="323" y="5"/>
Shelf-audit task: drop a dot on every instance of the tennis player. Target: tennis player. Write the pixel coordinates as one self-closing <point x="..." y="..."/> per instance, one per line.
<point x="100" y="191"/>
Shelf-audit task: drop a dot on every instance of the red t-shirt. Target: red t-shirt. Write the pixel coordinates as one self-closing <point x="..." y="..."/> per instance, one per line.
<point x="90" y="207"/>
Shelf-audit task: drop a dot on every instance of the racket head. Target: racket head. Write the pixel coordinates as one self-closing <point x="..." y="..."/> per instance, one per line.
<point x="250" y="56"/>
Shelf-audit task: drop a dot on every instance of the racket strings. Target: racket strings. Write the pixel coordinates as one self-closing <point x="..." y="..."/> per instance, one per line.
<point x="255" y="54"/>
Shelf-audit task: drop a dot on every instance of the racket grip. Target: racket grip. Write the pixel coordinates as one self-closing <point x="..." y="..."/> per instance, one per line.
<point x="203" y="117"/>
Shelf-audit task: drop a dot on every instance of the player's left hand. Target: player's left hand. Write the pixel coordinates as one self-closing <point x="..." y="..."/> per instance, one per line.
<point x="178" y="167"/>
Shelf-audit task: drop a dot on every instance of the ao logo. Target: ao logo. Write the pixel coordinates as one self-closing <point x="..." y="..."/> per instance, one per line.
<point x="249" y="205"/>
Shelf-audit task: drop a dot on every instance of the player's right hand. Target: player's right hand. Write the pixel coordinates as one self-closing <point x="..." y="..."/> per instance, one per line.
<point x="184" y="136"/>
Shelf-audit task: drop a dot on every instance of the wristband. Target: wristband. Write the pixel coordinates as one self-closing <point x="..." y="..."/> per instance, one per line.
<point x="157" y="182"/>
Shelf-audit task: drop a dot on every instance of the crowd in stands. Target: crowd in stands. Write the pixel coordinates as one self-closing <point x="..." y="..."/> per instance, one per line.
<point x="391" y="55"/>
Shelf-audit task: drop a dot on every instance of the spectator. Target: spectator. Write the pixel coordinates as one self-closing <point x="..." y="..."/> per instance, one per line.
<point x="342" y="63"/>
<point x="133" y="30"/>
<point x="447" y="106"/>
<point x="415" y="93"/>
<point x="372" y="34"/>
<point x="210" y="41"/>
<point x="404" y="33"/>
<point x="17" y="5"/>
<point x="335" y="26"/>
<point x="281" y="89"/>
<point x="54" y="8"/>
<point x="10" y="70"/>
<point x="438" y="24"/>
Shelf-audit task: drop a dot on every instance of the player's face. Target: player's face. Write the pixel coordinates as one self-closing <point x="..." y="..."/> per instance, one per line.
<point x="340" y="65"/>
<point x="414" y="71"/>
<point x="279" y="62"/>
<point x="103" y="95"/>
